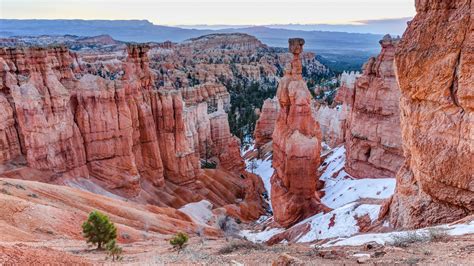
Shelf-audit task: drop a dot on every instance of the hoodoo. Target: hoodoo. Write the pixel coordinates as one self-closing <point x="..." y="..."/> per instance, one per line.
<point x="296" y="148"/>
<point x="435" y="61"/>
<point x="373" y="137"/>
<point x="266" y="122"/>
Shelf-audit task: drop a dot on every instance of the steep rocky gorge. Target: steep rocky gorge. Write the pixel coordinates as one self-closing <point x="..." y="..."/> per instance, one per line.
<point x="408" y="115"/>
<point x="147" y="124"/>
<point x="121" y="132"/>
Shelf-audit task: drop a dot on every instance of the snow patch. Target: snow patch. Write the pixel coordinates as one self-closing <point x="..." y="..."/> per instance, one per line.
<point x="341" y="188"/>
<point x="200" y="212"/>
<point x="262" y="168"/>
<point x="262" y="236"/>
<point x="386" y="238"/>
<point x="342" y="192"/>
<point x="338" y="223"/>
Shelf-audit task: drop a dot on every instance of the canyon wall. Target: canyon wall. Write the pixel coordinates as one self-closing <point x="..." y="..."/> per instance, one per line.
<point x="117" y="131"/>
<point x="296" y="148"/>
<point x="266" y="122"/>
<point x="333" y="119"/>
<point x="373" y="137"/>
<point x="435" y="62"/>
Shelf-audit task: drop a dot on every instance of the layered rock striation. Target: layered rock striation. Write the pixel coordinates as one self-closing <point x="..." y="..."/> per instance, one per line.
<point x="435" y="62"/>
<point x="117" y="131"/>
<point x="296" y="148"/>
<point x="266" y="122"/>
<point x="373" y="137"/>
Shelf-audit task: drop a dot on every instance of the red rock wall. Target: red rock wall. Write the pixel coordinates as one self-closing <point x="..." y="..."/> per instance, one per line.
<point x="35" y="81"/>
<point x="9" y="141"/>
<point x="373" y="141"/>
<point x="266" y="122"/>
<point x="225" y="145"/>
<point x="296" y="148"/>
<point x="435" y="62"/>
<point x="122" y="133"/>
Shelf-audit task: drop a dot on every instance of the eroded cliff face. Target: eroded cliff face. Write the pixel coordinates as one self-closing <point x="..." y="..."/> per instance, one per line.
<point x="33" y="82"/>
<point x="9" y="141"/>
<point x="207" y="126"/>
<point x="117" y="130"/>
<point x="266" y="122"/>
<point x="333" y="119"/>
<point x="296" y="148"/>
<point x="436" y="182"/>
<point x="373" y="138"/>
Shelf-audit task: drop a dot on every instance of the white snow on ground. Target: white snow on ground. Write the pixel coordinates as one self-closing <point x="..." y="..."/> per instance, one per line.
<point x="265" y="170"/>
<point x="387" y="238"/>
<point x="262" y="168"/>
<point x="262" y="236"/>
<point x="200" y="212"/>
<point x="342" y="188"/>
<point x="341" y="193"/>
<point x="338" y="223"/>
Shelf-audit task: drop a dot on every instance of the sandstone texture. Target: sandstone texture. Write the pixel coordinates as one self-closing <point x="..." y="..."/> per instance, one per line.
<point x="334" y="119"/>
<point x="266" y="122"/>
<point x="296" y="148"/>
<point x="10" y="147"/>
<point x="435" y="62"/>
<point x="107" y="127"/>
<point x="373" y="137"/>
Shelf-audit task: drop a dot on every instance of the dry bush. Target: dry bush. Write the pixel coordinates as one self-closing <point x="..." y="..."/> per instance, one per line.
<point x="228" y="225"/>
<point x="404" y="240"/>
<point x="240" y="246"/>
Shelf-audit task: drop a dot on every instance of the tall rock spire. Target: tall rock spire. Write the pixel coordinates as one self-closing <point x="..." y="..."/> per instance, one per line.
<point x="296" y="148"/>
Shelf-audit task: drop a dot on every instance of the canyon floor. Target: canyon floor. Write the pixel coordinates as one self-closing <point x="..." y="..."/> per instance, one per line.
<point x="448" y="251"/>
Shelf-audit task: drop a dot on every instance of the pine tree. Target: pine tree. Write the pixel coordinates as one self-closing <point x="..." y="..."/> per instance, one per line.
<point x="98" y="229"/>
<point x="113" y="250"/>
<point x="179" y="240"/>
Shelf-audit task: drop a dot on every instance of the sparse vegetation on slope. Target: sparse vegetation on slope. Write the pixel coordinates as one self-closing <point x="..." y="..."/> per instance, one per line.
<point x="98" y="229"/>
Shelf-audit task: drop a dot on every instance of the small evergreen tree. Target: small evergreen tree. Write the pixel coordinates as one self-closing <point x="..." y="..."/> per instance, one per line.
<point x="179" y="240"/>
<point x="113" y="250"/>
<point x="98" y="229"/>
<point x="253" y="165"/>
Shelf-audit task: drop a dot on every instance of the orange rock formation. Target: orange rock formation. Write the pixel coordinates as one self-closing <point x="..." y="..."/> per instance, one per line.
<point x="435" y="62"/>
<point x="296" y="148"/>
<point x="373" y="138"/>
<point x="117" y="131"/>
<point x="266" y="122"/>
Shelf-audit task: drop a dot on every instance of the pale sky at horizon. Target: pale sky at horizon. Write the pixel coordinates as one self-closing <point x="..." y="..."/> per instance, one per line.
<point x="229" y="12"/>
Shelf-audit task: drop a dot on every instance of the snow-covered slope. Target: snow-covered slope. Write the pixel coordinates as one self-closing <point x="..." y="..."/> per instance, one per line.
<point x="261" y="167"/>
<point x="387" y="238"/>
<point x="200" y="212"/>
<point x="340" y="188"/>
<point x="343" y="194"/>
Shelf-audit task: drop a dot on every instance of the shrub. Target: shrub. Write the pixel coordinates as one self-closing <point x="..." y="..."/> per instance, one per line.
<point x="6" y="192"/>
<point x="241" y="245"/>
<point x="113" y="250"/>
<point x="179" y="240"/>
<point x="228" y="225"/>
<point x="98" y="229"/>
<point x="437" y="234"/>
<point x="432" y="234"/>
<point x="403" y="240"/>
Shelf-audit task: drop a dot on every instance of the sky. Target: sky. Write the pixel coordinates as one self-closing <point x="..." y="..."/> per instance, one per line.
<point x="229" y="12"/>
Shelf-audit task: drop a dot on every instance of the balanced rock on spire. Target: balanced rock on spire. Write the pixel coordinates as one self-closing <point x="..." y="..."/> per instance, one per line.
<point x="296" y="148"/>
